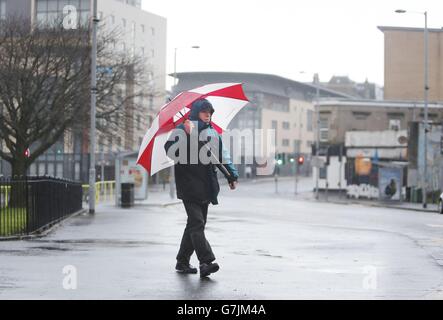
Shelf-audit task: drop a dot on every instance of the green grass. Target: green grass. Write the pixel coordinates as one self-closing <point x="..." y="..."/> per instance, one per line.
<point x="12" y="221"/>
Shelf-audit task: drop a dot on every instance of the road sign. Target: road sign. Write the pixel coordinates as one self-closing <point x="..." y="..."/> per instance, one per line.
<point x="317" y="162"/>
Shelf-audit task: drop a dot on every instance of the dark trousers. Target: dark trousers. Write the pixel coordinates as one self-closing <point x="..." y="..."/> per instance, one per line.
<point x="194" y="235"/>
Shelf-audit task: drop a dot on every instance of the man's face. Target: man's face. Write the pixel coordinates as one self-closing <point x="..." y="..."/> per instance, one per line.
<point x="205" y="116"/>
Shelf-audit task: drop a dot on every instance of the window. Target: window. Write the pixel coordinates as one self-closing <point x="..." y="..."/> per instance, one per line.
<point x="285" y="143"/>
<point x="324" y="129"/>
<point x="394" y="124"/>
<point x="358" y="115"/>
<point x="152" y="31"/>
<point x="50" y="11"/>
<point x="297" y="144"/>
<point x="77" y="171"/>
<point x="2" y="9"/>
<point x="51" y="169"/>
<point x="279" y="107"/>
<point x="309" y="120"/>
<point x="142" y="27"/>
<point x="41" y="169"/>
<point x="133" y="30"/>
<point x="33" y="169"/>
<point x="285" y="125"/>
<point x="59" y="170"/>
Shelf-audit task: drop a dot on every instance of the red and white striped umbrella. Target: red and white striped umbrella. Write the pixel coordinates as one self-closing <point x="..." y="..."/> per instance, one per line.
<point x="227" y="100"/>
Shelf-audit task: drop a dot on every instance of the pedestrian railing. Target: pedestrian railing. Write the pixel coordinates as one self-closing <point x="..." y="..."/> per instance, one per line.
<point x="29" y="205"/>
<point x="104" y="191"/>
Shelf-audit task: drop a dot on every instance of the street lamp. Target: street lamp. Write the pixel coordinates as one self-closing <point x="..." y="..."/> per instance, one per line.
<point x="316" y="81"/>
<point x="171" y="170"/>
<point x="426" y="87"/>
<point x="95" y="22"/>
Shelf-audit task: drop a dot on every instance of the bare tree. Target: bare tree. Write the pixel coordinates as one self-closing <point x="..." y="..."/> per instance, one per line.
<point x="45" y="87"/>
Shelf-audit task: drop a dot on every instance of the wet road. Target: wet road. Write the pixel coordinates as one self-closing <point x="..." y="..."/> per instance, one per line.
<point x="269" y="246"/>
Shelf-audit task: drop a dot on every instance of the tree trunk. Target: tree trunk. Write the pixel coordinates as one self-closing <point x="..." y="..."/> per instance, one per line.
<point x="17" y="196"/>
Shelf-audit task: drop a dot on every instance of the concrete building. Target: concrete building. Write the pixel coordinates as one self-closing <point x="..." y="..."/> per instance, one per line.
<point x="276" y="103"/>
<point x="404" y="63"/>
<point x="337" y="116"/>
<point x="142" y="33"/>
<point x="371" y="121"/>
<point x="344" y="84"/>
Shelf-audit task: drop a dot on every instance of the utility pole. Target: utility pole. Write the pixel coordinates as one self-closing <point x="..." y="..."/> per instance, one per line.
<point x="424" y="178"/>
<point x="425" y="168"/>
<point x="317" y="142"/>
<point x="93" y="110"/>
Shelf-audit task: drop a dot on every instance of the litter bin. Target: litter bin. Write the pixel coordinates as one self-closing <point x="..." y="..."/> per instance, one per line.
<point x="127" y="197"/>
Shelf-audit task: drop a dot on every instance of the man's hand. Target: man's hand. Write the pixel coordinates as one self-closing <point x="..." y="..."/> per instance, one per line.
<point x="188" y="126"/>
<point x="233" y="185"/>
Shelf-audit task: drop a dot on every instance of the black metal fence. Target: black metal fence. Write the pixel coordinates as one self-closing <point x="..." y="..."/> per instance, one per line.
<point x="31" y="204"/>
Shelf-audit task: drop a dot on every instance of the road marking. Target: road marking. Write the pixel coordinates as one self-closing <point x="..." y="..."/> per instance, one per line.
<point x="435" y="225"/>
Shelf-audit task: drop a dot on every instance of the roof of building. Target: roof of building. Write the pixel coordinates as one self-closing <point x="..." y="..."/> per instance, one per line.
<point x="377" y="103"/>
<point x="389" y="28"/>
<point x="341" y="80"/>
<point x="261" y="82"/>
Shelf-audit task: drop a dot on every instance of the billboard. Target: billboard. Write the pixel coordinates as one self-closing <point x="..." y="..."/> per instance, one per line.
<point x="390" y="183"/>
<point x="133" y="173"/>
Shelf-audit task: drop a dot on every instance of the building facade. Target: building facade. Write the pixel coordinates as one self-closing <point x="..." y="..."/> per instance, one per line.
<point x="404" y="63"/>
<point x="275" y="103"/>
<point x="142" y="34"/>
<point x="376" y="131"/>
<point x="338" y="116"/>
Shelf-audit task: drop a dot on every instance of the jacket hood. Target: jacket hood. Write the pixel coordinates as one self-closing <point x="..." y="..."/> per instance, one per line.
<point x="198" y="106"/>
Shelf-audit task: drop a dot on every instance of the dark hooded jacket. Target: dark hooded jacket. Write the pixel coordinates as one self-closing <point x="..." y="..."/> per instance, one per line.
<point x="198" y="181"/>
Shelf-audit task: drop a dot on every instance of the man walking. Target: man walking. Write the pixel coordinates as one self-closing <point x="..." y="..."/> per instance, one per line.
<point x="197" y="184"/>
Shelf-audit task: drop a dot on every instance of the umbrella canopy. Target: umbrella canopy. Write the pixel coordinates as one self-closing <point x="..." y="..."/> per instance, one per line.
<point x="227" y="100"/>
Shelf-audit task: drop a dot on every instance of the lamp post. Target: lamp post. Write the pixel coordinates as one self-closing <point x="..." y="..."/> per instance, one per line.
<point x="316" y="81"/>
<point x="426" y="89"/>
<point x="171" y="170"/>
<point x="95" y="22"/>
<point x="317" y="139"/>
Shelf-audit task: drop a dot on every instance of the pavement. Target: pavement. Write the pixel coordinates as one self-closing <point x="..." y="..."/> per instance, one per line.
<point x="269" y="246"/>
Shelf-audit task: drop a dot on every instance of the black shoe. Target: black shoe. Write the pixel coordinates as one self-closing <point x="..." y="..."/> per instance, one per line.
<point x="207" y="268"/>
<point x="185" y="268"/>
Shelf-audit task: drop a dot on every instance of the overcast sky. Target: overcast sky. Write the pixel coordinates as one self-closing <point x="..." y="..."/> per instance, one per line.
<point x="284" y="37"/>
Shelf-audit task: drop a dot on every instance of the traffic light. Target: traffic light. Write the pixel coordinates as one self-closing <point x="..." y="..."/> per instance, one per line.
<point x="27" y="153"/>
<point x="300" y="160"/>
<point x="279" y="159"/>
